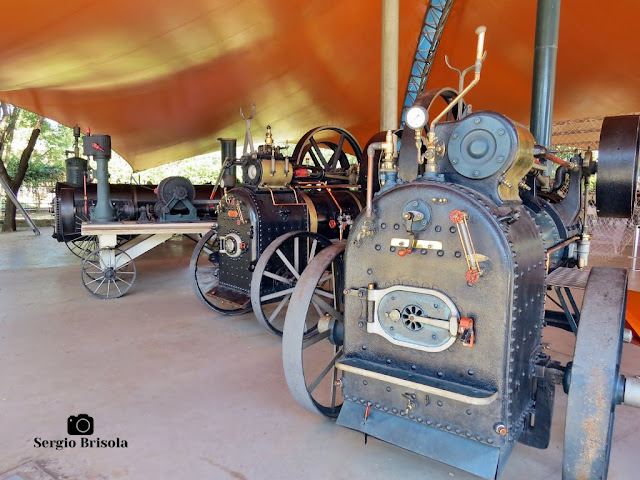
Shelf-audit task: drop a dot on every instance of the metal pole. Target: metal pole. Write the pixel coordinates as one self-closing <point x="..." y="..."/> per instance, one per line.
<point x="636" y="243"/>
<point x="389" y="65"/>
<point x="15" y="201"/>
<point x="544" y="70"/>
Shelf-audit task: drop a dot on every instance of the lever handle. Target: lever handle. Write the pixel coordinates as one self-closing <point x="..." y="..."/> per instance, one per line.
<point x="480" y="31"/>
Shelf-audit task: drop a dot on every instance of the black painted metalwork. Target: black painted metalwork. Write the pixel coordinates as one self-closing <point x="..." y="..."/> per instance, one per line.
<point x="286" y="211"/>
<point x="444" y="305"/>
<point x="618" y="166"/>
<point x="544" y="70"/>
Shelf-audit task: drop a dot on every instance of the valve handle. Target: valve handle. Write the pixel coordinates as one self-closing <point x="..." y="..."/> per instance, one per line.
<point x="480" y="31"/>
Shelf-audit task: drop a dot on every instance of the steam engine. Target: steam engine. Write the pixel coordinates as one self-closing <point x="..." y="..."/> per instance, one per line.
<point x="72" y="205"/>
<point x="276" y="197"/>
<point x="445" y="294"/>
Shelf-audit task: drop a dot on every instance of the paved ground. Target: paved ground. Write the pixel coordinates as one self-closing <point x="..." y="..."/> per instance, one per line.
<point x="194" y="395"/>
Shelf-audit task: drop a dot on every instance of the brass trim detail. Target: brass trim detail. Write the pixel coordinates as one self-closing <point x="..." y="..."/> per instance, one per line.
<point x="313" y="213"/>
<point x="356" y="199"/>
<point x="426" y="244"/>
<point x="418" y="386"/>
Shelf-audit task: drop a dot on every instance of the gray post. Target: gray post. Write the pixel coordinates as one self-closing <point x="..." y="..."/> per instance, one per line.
<point x="544" y="70"/>
<point x="389" y="65"/>
<point x="99" y="147"/>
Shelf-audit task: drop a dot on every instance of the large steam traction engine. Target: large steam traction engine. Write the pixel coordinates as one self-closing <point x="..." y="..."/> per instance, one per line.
<point x="286" y="211"/>
<point x="434" y="343"/>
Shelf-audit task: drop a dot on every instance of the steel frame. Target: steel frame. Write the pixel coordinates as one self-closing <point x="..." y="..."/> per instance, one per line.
<point x="432" y="27"/>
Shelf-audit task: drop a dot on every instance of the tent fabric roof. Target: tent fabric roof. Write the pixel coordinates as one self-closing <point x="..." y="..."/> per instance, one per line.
<point x="165" y="79"/>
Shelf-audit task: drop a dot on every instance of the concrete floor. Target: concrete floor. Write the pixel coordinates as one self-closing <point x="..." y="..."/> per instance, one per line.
<point x="194" y="394"/>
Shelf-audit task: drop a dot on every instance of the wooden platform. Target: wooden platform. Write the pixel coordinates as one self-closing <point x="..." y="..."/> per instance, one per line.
<point x="152" y="228"/>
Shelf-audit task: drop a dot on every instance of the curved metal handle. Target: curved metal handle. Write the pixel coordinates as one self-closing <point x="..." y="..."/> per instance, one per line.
<point x="480" y="31"/>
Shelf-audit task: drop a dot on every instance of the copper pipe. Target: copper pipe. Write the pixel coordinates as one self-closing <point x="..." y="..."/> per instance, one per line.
<point x="553" y="158"/>
<point x="369" y="183"/>
<point x="559" y="246"/>
<point x="371" y="151"/>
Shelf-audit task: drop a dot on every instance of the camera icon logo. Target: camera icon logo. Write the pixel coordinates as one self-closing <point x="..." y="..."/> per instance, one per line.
<point x="81" y="424"/>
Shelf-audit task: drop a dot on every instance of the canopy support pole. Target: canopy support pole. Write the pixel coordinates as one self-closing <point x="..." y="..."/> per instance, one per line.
<point x="389" y="64"/>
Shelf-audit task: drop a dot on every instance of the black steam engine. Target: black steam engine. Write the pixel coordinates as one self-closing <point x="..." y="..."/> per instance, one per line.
<point x="434" y="338"/>
<point x="287" y="210"/>
<point x="174" y="199"/>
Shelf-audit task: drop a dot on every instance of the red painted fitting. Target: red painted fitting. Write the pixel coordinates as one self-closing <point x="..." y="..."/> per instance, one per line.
<point x="472" y="276"/>
<point x="457" y="216"/>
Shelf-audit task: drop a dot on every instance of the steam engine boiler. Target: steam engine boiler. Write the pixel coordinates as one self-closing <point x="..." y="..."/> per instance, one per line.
<point x="284" y="213"/>
<point x="435" y="335"/>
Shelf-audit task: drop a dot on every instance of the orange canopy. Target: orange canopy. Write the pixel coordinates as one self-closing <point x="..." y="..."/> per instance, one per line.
<point x="166" y="78"/>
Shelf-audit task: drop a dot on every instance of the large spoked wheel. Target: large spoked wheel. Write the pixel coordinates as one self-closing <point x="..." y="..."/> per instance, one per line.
<point x="341" y="143"/>
<point x="108" y="273"/>
<point x="595" y="386"/>
<point x="276" y="275"/>
<point x="69" y="222"/>
<point x="309" y="363"/>
<point x="82" y="245"/>
<point x="204" y="268"/>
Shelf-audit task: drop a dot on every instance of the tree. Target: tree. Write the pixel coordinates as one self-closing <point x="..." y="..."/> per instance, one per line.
<point x="8" y="124"/>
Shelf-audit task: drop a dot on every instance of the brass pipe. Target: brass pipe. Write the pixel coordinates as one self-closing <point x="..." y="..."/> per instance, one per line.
<point x="559" y="246"/>
<point x="369" y="184"/>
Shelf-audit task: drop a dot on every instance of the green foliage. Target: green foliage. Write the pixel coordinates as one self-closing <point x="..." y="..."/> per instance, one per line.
<point x="55" y="144"/>
<point x="47" y="160"/>
<point x="200" y="170"/>
<point x="39" y="172"/>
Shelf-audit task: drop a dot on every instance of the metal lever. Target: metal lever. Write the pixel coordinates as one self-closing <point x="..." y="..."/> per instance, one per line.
<point x="248" y="139"/>
<point x="451" y="324"/>
<point x="430" y="154"/>
<point x="462" y="326"/>
<point x="480" y="31"/>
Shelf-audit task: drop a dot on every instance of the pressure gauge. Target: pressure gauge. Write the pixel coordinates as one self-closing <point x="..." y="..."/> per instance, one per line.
<point x="417" y="117"/>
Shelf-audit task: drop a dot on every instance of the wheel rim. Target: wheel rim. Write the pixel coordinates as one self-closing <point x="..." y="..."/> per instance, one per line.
<point x="82" y="245"/>
<point x="204" y="269"/>
<point x="309" y="364"/>
<point x="311" y="143"/>
<point x="595" y="387"/>
<point x="108" y="273"/>
<point x="276" y="275"/>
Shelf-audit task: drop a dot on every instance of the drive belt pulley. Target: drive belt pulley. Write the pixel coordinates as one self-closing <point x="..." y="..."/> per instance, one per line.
<point x="618" y="166"/>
